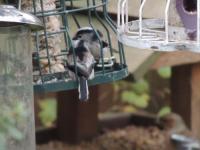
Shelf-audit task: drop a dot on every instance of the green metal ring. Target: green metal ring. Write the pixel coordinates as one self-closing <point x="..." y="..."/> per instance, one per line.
<point x="69" y="85"/>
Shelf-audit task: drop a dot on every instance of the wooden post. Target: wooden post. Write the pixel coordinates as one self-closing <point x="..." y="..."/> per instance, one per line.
<point x="77" y="120"/>
<point x="185" y="89"/>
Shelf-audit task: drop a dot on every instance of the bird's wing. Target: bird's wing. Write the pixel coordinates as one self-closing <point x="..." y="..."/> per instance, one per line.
<point x="82" y="70"/>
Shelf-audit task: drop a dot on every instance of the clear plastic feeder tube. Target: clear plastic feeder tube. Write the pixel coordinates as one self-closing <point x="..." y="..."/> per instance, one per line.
<point x="17" y="130"/>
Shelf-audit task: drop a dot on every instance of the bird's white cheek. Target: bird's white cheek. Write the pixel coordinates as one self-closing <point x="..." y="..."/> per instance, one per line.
<point x="75" y="43"/>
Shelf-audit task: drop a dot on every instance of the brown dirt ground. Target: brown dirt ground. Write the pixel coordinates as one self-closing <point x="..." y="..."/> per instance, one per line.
<point x="129" y="138"/>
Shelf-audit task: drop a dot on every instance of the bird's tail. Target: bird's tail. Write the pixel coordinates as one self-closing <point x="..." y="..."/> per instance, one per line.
<point x="83" y="89"/>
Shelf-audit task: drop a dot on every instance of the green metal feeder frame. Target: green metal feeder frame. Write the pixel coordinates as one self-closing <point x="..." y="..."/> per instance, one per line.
<point x="111" y="68"/>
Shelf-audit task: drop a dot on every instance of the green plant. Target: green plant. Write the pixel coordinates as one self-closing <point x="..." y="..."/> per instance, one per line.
<point x="140" y="101"/>
<point x="165" y="72"/>
<point x="48" y="111"/>
<point x="141" y="86"/>
<point x="164" y="111"/>
<point x="137" y="95"/>
<point x="11" y="117"/>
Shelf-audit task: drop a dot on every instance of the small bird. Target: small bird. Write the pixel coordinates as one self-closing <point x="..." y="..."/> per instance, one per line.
<point x="86" y="49"/>
<point x="84" y="64"/>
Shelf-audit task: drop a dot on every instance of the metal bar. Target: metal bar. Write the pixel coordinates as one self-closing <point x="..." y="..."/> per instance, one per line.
<point x="55" y="11"/>
<point x="144" y="34"/>
<point x="107" y="31"/>
<point x="53" y="56"/>
<point x="113" y="27"/>
<point x="198" y="22"/>
<point x="73" y="16"/>
<point x="123" y="55"/>
<point x="76" y="21"/>
<point x="68" y="39"/>
<point x="49" y="34"/>
<point x="127" y="11"/>
<point x="123" y="15"/>
<point x="119" y="13"/>
<point x="148" y="32"/>
<point x="45" y="33"/>
<point x="140" y="17"/>
<point x="152" y="31"/>
<point x="120" y="54"/>
<point x="101" y="46"/>
<point x="167" y="21"/>
<point x="66" y="25"/>
<point x="19" y="4"/>
<point x="52" y="12"/>
<point x="107" y="18"/>
<point x="37" y="44"/>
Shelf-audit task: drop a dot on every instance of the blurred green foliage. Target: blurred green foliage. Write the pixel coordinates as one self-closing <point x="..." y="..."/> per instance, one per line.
<point x="140" y="101"/>
<point x="48" y="112"/>
<point x="141" y="86"/>
<point x="164" y="111"/>
<point x="11" y="118"/>
<point x="165" y="72"/>
<point x="137" y="94"/>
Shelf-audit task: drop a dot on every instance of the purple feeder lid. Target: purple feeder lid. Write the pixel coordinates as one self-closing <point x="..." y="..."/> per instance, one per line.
<point x="189" y="19"/>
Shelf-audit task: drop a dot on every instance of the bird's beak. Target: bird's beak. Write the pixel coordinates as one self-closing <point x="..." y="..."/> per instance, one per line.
<point x="104" y="44"/>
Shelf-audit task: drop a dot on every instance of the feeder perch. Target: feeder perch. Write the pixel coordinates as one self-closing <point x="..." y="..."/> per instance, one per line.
<point x="179" y="29"/>
<point x="53" y="43"/>
<point x="16" y="89"/>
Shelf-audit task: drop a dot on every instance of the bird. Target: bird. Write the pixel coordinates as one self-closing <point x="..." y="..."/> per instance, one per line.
<point x="86" y="49"/>
<point x="84" y="64"/>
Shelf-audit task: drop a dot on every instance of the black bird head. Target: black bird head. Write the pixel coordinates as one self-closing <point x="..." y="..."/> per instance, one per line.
<point x="90" y="38"/>
<point x="89" y="35"/>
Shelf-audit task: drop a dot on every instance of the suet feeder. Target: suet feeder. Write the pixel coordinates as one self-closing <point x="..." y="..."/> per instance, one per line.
<point x="178" y="29"/>
<point x="16" y="90"/>
<point x="54" y="42"/>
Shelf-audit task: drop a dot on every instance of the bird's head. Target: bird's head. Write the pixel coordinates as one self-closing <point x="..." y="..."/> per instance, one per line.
<point x="88" y="35"/>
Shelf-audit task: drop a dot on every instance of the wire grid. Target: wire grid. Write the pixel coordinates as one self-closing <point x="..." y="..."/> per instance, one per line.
<point x="153" y="33"/>
<point x="58" y="80"/>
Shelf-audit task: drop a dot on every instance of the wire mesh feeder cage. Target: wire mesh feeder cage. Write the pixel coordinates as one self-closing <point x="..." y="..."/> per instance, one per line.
<point x="62" y="19"/>
<point x="178" y="29"/>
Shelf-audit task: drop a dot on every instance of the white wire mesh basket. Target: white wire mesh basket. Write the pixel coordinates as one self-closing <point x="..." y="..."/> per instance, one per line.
<point x="179" y="29"/>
